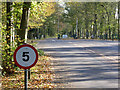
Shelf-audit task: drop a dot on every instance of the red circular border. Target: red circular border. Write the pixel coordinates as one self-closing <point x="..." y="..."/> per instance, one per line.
<point x="14" y="56"/>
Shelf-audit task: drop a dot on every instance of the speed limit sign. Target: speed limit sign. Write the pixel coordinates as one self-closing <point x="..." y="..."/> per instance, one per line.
<point x="25" y="56"/>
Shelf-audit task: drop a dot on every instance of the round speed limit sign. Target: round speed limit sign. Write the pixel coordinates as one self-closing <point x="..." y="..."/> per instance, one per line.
<point x="25" y="56"/>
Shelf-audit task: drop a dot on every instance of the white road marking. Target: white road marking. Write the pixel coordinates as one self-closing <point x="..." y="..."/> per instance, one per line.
<point x="53" y="40"/>
<point x="75" y="44"/>
<point x="110" y="58"/>
<point x="70" y="42"/>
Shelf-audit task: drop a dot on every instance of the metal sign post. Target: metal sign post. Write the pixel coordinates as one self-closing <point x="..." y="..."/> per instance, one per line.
<point x="25" y="56"/>
<point x="28" y="73"/>
<point x="26" y="80"/>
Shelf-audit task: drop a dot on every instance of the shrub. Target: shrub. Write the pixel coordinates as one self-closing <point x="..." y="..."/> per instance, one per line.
<point x="40" y="52"/>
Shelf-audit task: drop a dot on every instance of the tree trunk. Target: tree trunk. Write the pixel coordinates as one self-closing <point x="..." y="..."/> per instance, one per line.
<point x="119" y="20"/>
<point x="101" y="26"/>
<point x="8" y="29"/>
<point x="76" y="32"/>
<point x="12" y="29"/>
<point x="86" y="21"/>
<point x="7" y="62"/>
<point x="109" y="26"/>
<point x="37" y="32"/>
<point x="24" y="22"/>
<point x="58" y="24"/>
<point x="95" y="22"/>
<point x="95" y="27"/>
<point x="0" y="37"/>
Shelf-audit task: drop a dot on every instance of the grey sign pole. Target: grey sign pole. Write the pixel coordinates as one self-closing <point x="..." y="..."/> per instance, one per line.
<point x="28" y="73"/>
<point x="25" y="52"/>
<point x="26" y="80"/>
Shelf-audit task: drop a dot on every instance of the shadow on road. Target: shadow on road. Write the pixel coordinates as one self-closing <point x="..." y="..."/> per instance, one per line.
<point x="76" y="64"/>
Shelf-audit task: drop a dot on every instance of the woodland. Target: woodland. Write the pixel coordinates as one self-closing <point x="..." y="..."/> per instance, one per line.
<point x="25" y="21"/>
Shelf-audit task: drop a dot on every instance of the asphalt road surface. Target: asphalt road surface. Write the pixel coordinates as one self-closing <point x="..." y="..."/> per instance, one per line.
<point x="83" y="63"/>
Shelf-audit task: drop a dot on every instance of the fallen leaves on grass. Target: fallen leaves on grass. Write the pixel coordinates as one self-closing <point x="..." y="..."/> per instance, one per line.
<point x="41" y="76"/>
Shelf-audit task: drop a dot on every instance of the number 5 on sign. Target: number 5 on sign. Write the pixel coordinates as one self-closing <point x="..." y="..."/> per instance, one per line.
<point x="25" y="56"/>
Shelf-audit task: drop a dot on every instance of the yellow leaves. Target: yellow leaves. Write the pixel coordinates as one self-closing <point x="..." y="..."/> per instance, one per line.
<point x="41" y="77"/>
<point x="49" y="9"/>
<point x="40" y="11"/>
<point x="8" y="36"/>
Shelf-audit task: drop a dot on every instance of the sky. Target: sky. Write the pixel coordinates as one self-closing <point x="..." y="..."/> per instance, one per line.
<point x="61" y="3"/>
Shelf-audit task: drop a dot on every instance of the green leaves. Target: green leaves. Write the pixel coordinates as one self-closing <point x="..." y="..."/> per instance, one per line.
<point x="40" y="52"/>
<point x="7" y="55"/>
<point x="39" y="12"/>
<point x="92" y="14"/>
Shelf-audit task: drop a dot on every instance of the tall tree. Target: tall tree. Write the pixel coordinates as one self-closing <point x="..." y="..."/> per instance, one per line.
<point x="119" y="20"/>
<point x="95" y="21"/>
<point x="7" y="63"/>
<point x="0" y="36"/>
<point x="24" y="21"/>
<point x="8" y="29"/>
<point x="86" y="20"/>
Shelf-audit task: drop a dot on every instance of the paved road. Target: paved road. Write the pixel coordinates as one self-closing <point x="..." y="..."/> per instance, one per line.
<point x="84" y="63"/>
